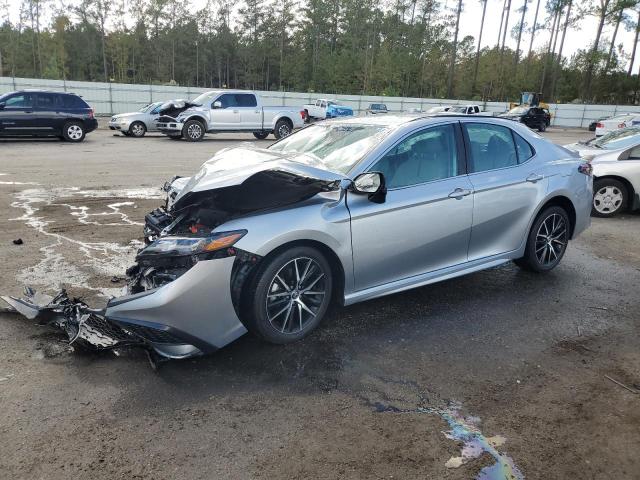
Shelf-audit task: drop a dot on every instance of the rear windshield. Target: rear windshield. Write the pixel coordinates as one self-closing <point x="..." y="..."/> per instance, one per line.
<point x="73" y="101"/>
<point x="335" y="147"/>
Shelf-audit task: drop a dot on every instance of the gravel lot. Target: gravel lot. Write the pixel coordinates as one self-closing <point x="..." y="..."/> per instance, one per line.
<point x="517" y="359"/>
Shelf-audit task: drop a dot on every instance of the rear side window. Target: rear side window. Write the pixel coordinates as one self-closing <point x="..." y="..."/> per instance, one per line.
<point x="491" y="146"/>
<point x="246" y="100"/>
<point x="524" y="150"/>
<point x="72" y="101"/>
<point x="46" y="100"/>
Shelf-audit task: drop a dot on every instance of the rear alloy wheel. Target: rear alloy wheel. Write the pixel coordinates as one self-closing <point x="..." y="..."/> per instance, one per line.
<point x="193" y="131"/>
<point x="261" y="135"/>
<point x="137" y="129"/>
<point x="283" y="129"/>
<point x="547" y="241"/>
<point x="609" y="197"/>
<point x="290" y="295"/>
<point x="73" y="132"/>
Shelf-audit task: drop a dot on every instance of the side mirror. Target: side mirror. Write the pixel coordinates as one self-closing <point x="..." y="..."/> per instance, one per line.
<point x="372" y="184"/>
<point x="217" y="104"/>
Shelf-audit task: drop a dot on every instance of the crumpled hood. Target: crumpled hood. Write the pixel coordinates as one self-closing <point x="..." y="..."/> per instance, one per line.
<point x="245" y="164"/>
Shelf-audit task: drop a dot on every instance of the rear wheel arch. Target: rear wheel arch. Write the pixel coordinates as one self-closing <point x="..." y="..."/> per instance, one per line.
<point x="566" y="204"/>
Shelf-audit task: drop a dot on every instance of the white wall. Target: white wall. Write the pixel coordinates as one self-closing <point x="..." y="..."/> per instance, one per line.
<point x="108" y="98"/>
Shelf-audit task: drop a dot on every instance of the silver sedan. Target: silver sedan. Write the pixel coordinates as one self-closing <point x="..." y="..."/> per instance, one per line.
<point x="137" y="124"/>
<point x="264" y="240"/>
<point x="615" y="158"/>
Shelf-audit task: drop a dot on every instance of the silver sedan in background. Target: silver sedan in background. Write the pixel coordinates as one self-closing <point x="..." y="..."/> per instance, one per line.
<point x="265" y="239"/>
<point x="137" y="124"/>
<point x="615" y="158"/>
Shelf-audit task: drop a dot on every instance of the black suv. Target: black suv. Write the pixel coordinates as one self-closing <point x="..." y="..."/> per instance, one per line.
<point x="533" y="117"/>
<point x="45" y="114"/>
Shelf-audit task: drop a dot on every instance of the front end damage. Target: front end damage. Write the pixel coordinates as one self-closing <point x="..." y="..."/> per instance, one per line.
<point x="185" y="288"/>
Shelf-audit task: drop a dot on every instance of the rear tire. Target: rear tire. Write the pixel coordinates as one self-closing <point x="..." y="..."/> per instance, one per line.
<point x="542" y="127"/>
<point x="73" y="132"/>
<point x="193" y="131"/>
<point x="282" y="129"/>
<point x="289" y="295"/>
<point x="261" y="135"/>
<point x="137" y="129"/>
<point x="609" y="197"/>
<point x="547" y="241"/>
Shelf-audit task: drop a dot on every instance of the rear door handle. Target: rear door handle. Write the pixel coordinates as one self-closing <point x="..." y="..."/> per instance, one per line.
<point x="534" y="177"/>
<point x="458" y="193"/>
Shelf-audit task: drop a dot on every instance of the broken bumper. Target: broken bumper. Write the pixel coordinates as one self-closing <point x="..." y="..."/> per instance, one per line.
<point x="192" y="315"/>
<point x="170" y="127"/>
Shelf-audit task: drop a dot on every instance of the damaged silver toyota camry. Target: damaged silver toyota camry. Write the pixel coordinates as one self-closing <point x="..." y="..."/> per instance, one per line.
<point x="263" y="240"/>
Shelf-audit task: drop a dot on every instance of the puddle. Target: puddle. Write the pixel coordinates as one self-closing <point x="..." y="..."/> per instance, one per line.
<point x="466" y="429"/>
<point x="103" y="258"/>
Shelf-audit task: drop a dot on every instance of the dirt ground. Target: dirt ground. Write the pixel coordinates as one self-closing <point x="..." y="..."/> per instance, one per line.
<point x="509" y="362"/>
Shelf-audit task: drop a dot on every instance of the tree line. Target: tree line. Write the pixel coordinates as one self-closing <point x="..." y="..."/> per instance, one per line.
<point x="408" y="48"/>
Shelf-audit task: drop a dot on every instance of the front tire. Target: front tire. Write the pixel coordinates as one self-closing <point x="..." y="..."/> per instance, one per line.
<point x="289" y="295"/>
<point x="261" y="135"/>
<point x="547" y="241"/>
<point x="73" y="132"/>
<point x="282" y="129"/>
<point x="137" y="129"/>
<point x="609" y="197"/>
<point x="193" y="131"/>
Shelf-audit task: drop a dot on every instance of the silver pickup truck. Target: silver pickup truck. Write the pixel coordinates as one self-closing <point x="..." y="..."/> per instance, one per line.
<point x="230" y="111"/>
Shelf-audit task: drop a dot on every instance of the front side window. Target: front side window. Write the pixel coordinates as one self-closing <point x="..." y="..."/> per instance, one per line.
<point x="22" y="100"/>
<point x="491" y="146"/>
<point x="425" y="156"/>
<point x="228" y="100"/>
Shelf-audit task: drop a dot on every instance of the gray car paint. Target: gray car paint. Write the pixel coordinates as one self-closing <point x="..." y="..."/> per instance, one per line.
<point x="123" y="121"/>
<point x="419" y="235"/>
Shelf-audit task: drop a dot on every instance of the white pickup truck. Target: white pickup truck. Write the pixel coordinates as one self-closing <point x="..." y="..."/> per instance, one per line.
<point x="465" y="109"/>
<point x="230" y="111"/>
<point x="324" y="108"/>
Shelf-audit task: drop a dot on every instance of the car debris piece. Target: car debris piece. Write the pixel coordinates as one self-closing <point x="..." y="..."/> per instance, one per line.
<point x="18" y="241"/>
<point x="83" y="325"/>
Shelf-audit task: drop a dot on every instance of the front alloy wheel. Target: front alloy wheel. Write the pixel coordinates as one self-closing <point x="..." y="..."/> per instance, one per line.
<point x="193" y="131"/>
<point x="289" y="295"/>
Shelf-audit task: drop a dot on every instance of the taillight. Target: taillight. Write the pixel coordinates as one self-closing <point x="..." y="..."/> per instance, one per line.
<point x="91" y="113"/>
<point x="621" y="125"/>
<point x="586" y="168"/>
<point x="599" y="125"/>
<point x="303" y="114"/>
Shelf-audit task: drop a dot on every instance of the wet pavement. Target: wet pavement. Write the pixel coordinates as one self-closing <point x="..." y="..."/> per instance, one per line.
<point x="497" y="373"/>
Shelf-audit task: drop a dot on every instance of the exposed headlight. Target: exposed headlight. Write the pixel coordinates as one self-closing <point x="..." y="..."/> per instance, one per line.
<point x="178" y="246"/>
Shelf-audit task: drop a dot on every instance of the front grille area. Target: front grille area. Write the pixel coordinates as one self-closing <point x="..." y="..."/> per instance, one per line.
<point x="152" y="335"/>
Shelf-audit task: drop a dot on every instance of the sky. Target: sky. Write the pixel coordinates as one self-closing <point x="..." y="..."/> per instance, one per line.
<point x="579" y="37"/>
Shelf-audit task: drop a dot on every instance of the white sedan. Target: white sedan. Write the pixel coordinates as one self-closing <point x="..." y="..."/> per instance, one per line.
<point x="615" y="123"/>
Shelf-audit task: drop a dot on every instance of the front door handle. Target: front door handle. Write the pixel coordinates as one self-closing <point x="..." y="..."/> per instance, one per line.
<point x="458" y="193"/>
<point x="236" y="111"/>
<point x="534" y="177"/>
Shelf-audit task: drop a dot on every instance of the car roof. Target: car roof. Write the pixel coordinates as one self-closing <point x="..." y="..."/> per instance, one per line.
<point x="36" y="90"/>
<point x="399" y="120"/>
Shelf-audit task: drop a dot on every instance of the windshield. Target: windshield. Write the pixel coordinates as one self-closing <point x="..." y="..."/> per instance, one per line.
<point x="519" y="110"/>
<point x="617" y="139"/>
<point x="337" y="147"/>
<point x="204" y="97"/>
<point x="147" y="107"/>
